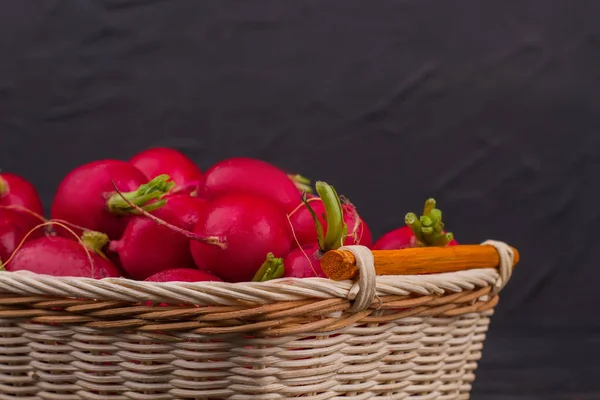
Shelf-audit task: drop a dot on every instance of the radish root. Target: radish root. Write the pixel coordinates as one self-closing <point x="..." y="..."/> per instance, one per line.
<point x="25" y="210"/>
<point x="190" y="235"/>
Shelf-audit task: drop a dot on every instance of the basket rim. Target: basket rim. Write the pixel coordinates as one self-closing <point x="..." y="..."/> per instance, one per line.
<point x="366" y="289"/>
<point x="274" y="308"/>
<point x="25" y="283"/>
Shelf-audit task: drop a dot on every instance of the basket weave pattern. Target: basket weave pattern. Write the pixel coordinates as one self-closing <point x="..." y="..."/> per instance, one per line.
<point x="419" y="338"/>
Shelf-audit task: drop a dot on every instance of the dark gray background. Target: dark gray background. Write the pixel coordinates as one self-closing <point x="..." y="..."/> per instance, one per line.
<point x="492" y="107"/>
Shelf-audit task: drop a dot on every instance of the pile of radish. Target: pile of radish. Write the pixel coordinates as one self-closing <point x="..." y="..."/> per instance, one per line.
<point x="158" y="217"/>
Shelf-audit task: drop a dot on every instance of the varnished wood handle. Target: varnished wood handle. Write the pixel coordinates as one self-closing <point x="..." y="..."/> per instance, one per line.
<point x="340" y="264"/>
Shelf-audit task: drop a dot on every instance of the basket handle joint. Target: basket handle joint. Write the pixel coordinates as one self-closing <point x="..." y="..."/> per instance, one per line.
<point x="364" y="289"/>
<point x="506" y="256"/>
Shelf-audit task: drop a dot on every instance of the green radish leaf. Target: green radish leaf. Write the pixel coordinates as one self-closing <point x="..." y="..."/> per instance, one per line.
<point x="318" y="225"/>
<point x="336" y="227"/>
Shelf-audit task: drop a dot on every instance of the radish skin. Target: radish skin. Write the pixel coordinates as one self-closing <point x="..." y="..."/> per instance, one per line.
<point x="358" y="230"/>
<point x="182" y="275"/>
<point x="86" y="196"/>
<point x="401" y="238"/>
<point x="17" y="191"/>
<point x="58" y="256"/>
<point x="303" y="262"/>
<point x="251" y="227"/>
<point x="397" y="239"/>
<point x="303" y="224"/>
<point x="147" y="248"/>
<point x="253" y="177"/>
<point x="14" y="227"/>
<point x="167" y="161"/>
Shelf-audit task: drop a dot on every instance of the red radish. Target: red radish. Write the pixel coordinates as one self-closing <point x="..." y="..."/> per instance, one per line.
<point x="253" y="177"/>
<point x="147" y="247"/>
<point x="303" y="223"/>
<point x="166" y="161"/>
<point x="251" y="227"/>
<point x="358" y="231"/>
<point x="305" y="232"/>
<point x="14" y="227"/>
<point x="397" y="239"/>
<point x="58" y="256"/>
<point x="402" y="238"/>
<point x="418" y="232"/>
<point x="17" y="191"/>
<point x="304" y="262"/>
<point x="86" y="197"/>
<point x="182" y="275"/>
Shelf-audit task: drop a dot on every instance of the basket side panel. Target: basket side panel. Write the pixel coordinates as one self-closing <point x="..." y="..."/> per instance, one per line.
<point x="428" y="357"/>
<point x="16" y="363"/>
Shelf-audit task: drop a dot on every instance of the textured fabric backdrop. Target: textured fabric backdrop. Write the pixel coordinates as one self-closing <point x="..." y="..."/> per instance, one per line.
<point x="491" y="107"/>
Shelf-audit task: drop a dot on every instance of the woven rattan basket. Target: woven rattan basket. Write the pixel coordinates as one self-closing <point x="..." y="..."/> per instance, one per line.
<point x="403" y="336"/>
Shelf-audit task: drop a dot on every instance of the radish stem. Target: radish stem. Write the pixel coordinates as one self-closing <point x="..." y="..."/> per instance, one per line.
<point x="95" y="241"/>
<point x="121" y="203"/>
<point x="336" y="227"/>
<point x="429" y="228"/>
<point x="301" y="182"/>
<point x="3" y="187"/>
<point x="443" y="239"/>
<point x="208" y="240"/>
<point x="272" y="268"/>
<point x="429" y="205"/>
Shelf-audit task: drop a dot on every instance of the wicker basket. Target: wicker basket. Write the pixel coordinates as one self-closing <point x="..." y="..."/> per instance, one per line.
<point x="386" y="337"/>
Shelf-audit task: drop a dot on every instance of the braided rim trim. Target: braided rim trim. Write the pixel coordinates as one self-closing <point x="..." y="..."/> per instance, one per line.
<point x="24" y="283"/>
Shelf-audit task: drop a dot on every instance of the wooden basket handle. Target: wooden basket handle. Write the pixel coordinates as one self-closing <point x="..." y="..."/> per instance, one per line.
<point x="341" y="265"/>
